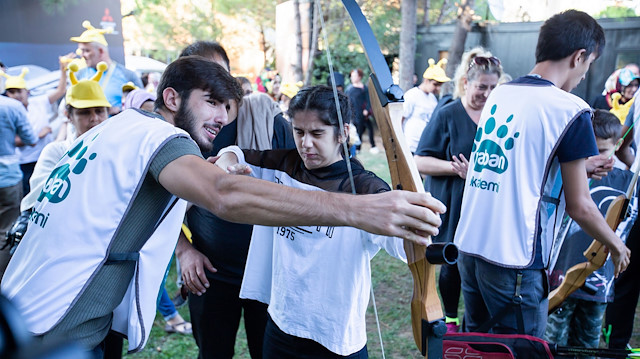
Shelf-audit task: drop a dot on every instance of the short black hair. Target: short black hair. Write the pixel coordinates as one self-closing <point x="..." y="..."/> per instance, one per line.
<point x="566" y="32"/>
<point x="196" y="72"/>
<point x="320" y="99"/>
<point x="206" y="49"/>
<point x="606" y="125"/>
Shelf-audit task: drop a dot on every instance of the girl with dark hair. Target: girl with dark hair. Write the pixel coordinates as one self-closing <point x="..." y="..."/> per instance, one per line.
<point x="315" y="279"/>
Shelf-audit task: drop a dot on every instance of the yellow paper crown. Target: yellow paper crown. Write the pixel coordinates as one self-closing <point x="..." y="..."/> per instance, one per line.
<point x="290" y="89"/>
<point x="620" y="110"/>
<point x="129" y="86"/>
<point x="436" y="71"/>
<point x="15" y="82"/>
<point x="91" y="34"/>
<point x="86" y="93"/>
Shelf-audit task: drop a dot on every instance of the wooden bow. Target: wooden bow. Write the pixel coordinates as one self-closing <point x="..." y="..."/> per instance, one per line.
<point x="596" y="253"/>
<point x="427" y="316"/>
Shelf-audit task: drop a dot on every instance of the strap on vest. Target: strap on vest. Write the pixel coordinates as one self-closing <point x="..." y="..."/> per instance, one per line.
<point x="550" y="199"/>
<point x="122" y="257"/>
<point x="516" y="305"/>
<point x="114" y="258"/>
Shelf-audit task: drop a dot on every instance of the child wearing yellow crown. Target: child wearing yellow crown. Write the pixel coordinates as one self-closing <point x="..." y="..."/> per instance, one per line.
<point x="40" y="113"/>
<point x="93" y="48"/>
<point x="419" y="102"/>
<point x="86" y="107"/>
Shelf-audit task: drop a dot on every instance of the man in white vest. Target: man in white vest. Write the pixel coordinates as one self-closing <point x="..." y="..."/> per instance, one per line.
<point x="526" y="169"/>
<point x="107" y="220"/>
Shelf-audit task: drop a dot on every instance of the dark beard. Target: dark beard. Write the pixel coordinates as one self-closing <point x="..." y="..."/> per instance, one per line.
<point x="185" y="120"/>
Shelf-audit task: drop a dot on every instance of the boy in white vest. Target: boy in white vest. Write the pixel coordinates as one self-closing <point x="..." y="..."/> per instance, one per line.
<point x="108" y="217"/>
<point x="527" y="164"/>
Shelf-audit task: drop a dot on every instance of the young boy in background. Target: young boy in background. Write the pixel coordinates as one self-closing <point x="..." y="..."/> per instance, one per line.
<point x="578" y="320"/>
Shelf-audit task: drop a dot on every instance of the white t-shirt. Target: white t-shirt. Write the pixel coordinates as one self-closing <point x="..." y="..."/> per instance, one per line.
<point x="416" y="110"/>
<point x="39" y="113"/>
<point x="316" y="279"/>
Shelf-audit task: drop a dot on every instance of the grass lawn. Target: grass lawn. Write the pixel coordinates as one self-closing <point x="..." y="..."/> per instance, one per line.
<point x="392" y="286"/>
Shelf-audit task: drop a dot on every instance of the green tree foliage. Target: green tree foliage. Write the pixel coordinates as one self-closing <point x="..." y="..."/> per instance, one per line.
<point x="345" y="47"/>
<point x="612" y="12"/>
<point x="167" y="32"/>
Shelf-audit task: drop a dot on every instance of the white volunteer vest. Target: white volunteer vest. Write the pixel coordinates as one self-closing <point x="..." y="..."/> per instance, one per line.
<point x="513" y="191"/>
<point x="75" y="219"/>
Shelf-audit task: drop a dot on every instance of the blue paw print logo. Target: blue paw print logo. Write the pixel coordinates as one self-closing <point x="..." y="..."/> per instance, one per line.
<point x="489" y="154"/>
<point x="58" y="185"/>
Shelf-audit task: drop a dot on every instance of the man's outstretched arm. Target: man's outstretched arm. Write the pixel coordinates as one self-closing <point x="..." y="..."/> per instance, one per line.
<point x="242" y="199"/>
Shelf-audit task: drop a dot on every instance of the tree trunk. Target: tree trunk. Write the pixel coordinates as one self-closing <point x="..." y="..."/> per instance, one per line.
<point x="313" y="46"/>
<point x="443" y="8"/>
<point x="463" y="26"/>
<point x="409" y="9"/>
<point x="297" y="66"/>
<point x="263" y="42"/>
<point x="425" y="19"/>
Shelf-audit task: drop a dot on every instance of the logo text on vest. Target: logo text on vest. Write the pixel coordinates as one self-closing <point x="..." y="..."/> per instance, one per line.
<point x="488" y="153"/>
<point x="485" y="185"/>
<point x="58" y="185"/>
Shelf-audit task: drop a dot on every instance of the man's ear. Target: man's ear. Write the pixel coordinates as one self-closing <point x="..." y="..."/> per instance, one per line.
<point x="171" y="99"/>
<point x="577" y="57"/>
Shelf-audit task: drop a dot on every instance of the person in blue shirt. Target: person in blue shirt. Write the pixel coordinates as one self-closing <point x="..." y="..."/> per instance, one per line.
<point x="13" y="121"/>
<point x="93" y="48"/>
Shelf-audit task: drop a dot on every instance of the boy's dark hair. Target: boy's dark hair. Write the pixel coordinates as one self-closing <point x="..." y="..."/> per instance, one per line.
<point x="566" y="32"/>
<point x="320" y="100"/>
<point x="243" y="80"/>
<point x="606" y="125"/>
<point x="195" y="72"/>
<point x="206" y="49"/>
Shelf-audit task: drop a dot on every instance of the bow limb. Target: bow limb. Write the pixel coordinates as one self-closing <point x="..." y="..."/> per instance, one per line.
<point x="427" y="316"/>
<point x="575" y="278"/>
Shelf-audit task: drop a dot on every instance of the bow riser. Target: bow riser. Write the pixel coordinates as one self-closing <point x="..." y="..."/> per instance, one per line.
<point x="425" y="303"/>
<point x="596" y="256"/>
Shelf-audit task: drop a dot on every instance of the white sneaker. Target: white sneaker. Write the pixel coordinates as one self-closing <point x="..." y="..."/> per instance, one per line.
<point x="374" y="150"/>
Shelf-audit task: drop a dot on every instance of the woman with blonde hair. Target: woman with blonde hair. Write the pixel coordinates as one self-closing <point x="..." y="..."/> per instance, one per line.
<point x="445" y="146"/>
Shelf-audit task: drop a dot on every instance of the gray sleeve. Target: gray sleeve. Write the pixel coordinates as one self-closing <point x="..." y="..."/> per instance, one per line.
<point x="171" y="150"/>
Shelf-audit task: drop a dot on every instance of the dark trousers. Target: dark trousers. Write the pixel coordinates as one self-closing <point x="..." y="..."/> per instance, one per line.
<point x="621" y="312"/>
<point x="366" y="124"/>
<point x="215" y="317"/>
<point x="280" y="345"/>
<point x="110" y="348"/>
<point x="27" y="171"/>
<point x="9" y="210"/>
<point x="449" y="283"/>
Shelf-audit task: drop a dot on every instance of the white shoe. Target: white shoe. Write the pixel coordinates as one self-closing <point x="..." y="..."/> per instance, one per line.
<point x="374" y="150"/>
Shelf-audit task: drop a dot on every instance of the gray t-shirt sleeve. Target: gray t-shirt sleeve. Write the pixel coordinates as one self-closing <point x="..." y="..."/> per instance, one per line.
<point x="172" y="149"/>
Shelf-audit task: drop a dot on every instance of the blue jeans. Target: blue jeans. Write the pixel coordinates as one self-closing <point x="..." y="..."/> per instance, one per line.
<point x="487" y="289"/>
<point x="165" y="306"/>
